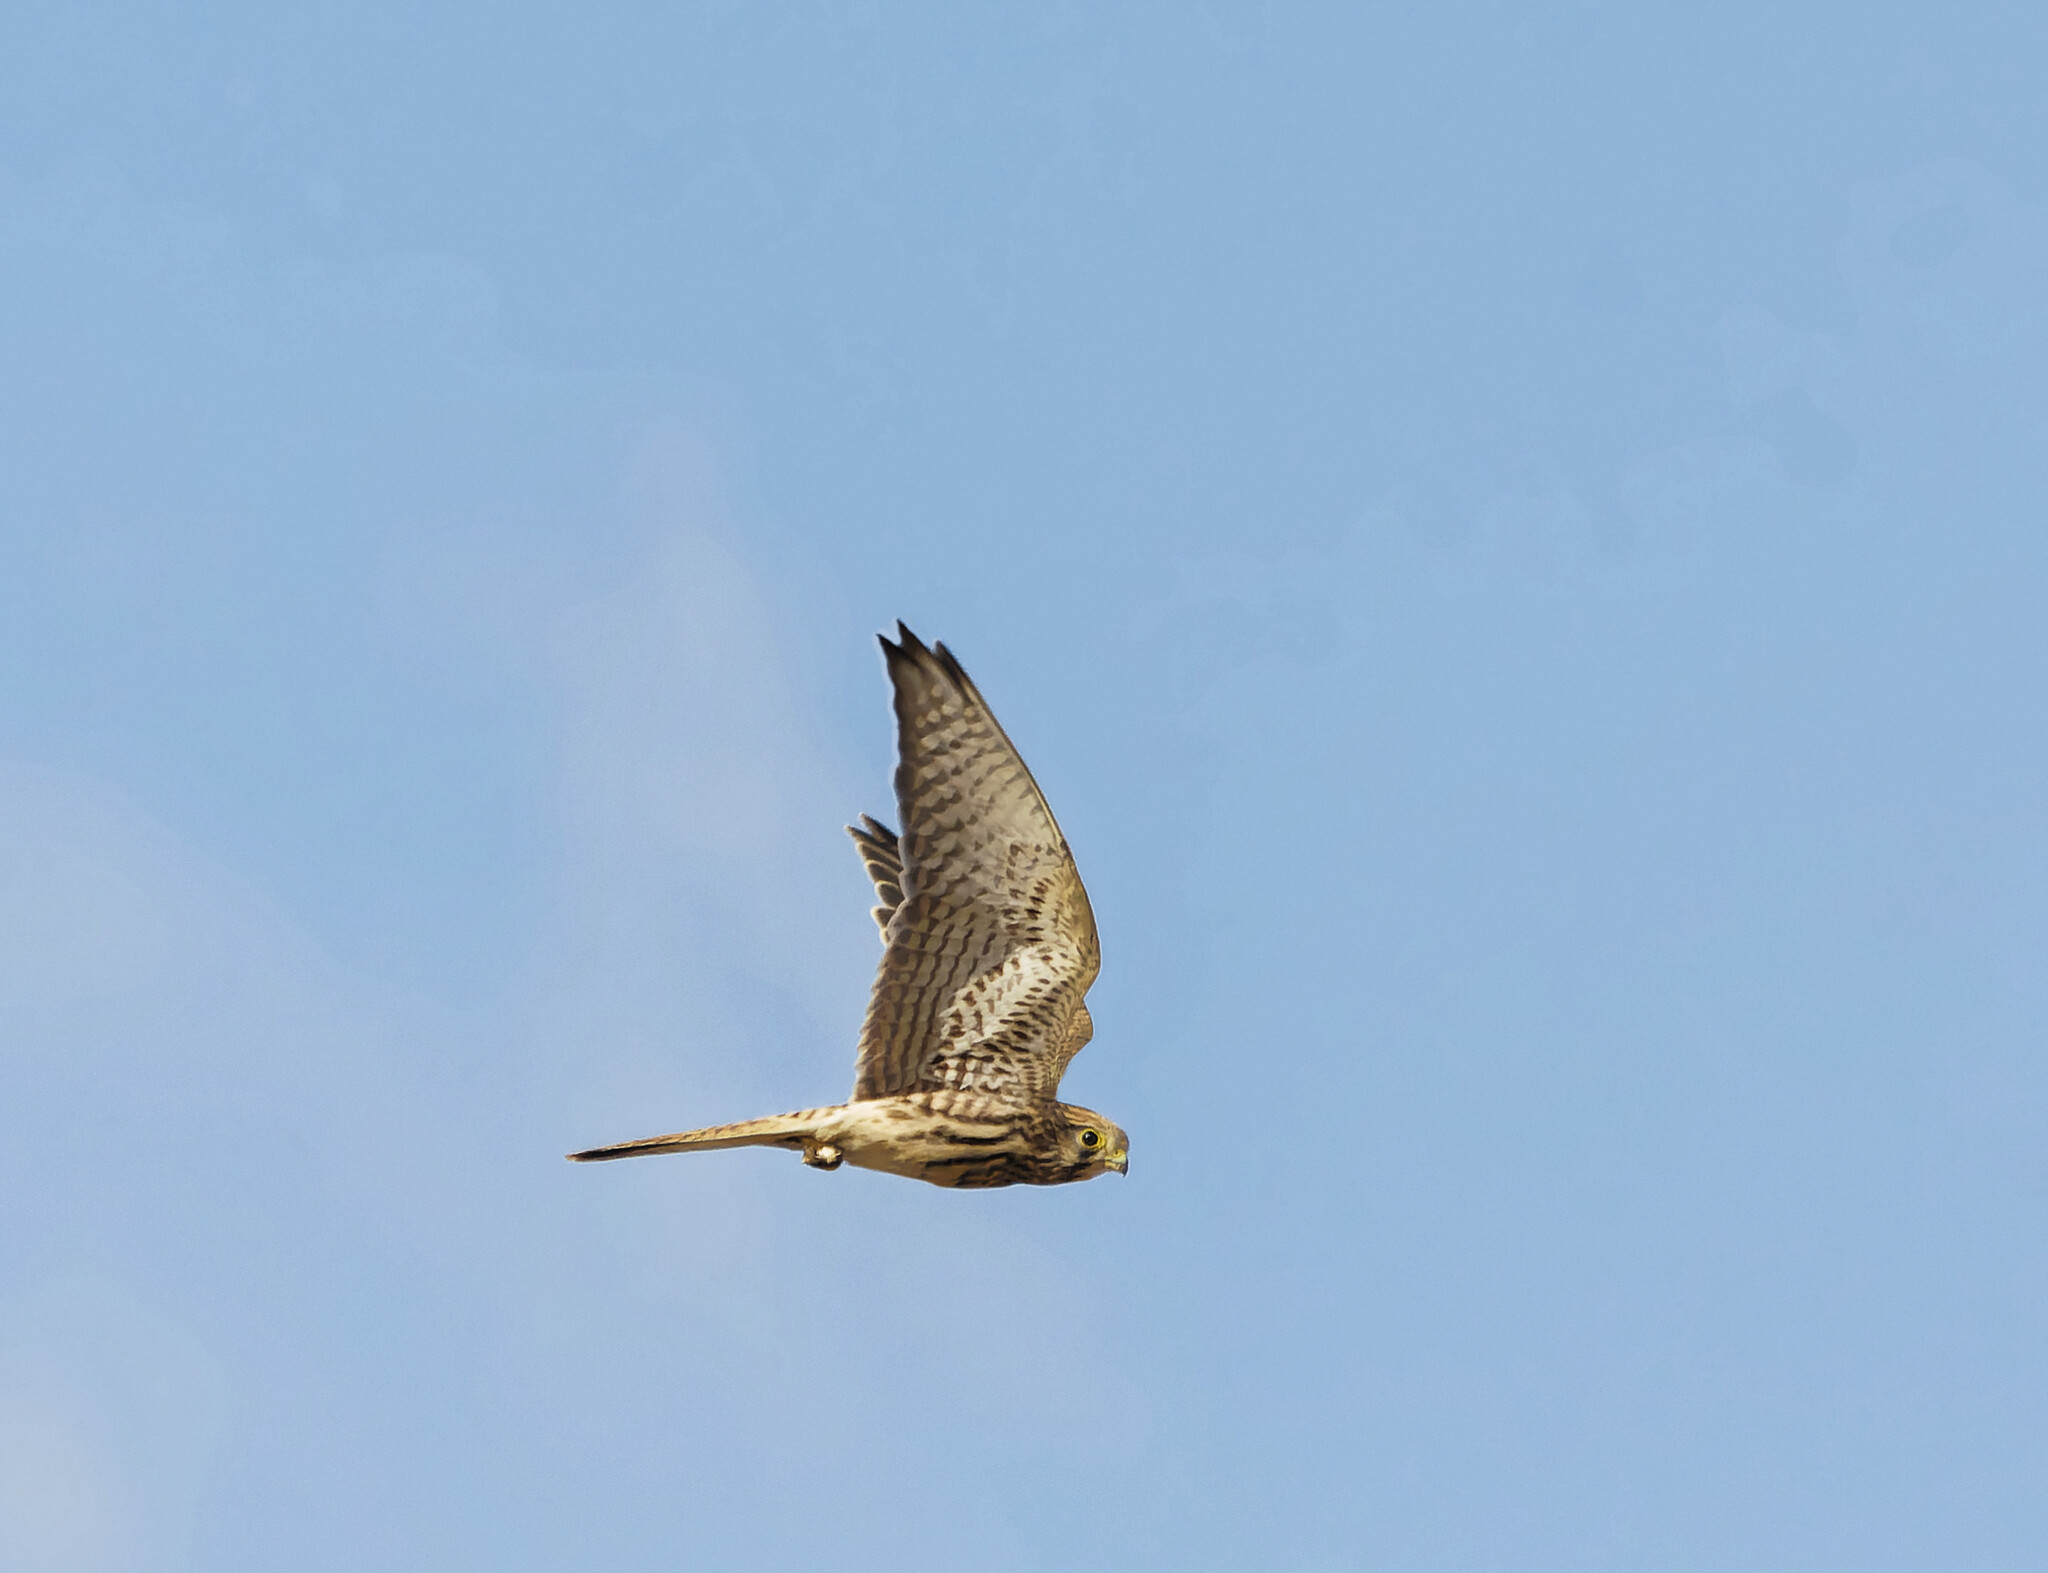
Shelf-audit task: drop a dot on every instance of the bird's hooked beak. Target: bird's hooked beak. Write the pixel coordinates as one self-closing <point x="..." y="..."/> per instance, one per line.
<point x="1120" y="1160"/>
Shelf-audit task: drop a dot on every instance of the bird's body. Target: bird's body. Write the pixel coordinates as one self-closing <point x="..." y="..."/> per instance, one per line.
<point x="989" y="946"/>
<point x="961" y="1140"/>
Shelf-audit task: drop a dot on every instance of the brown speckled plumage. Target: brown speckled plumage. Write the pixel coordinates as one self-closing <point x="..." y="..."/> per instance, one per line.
<point x="988" y="947"/>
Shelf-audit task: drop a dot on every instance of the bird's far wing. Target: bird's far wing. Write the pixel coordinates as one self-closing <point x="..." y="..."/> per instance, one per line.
<point x="993" y="945"/>
<point x="881" y="857"/>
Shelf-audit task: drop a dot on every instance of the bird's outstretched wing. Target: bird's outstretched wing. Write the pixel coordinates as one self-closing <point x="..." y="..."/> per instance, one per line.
<point x="992" y="944"/>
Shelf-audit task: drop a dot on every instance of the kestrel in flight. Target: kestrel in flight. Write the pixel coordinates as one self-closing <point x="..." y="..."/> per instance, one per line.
<point x="988" y="947"/>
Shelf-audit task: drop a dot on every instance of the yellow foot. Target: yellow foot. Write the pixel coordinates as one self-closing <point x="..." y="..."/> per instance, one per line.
<point x="823" y="1155"/>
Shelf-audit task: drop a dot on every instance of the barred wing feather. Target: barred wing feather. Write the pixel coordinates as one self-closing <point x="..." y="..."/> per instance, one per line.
<point x="990" y="945"/>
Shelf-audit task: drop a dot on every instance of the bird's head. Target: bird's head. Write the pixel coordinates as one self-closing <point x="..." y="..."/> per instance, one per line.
<point x="1090" y="1144"/>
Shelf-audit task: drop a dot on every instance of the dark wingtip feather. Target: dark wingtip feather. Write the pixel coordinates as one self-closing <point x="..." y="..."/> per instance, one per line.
<point x="935" y="661"/>
<point x="905" y="647"/>
<point x="951" y="665"/>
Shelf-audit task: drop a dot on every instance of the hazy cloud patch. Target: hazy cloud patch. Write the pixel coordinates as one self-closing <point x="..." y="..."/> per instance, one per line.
<point x="1948" y="258"/>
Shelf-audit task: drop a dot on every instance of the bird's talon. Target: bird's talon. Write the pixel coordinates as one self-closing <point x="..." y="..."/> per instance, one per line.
<point x="823" y="1155"/>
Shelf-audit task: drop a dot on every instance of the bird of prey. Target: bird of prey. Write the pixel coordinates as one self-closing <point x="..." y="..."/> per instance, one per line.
<point x="988" y="947"/>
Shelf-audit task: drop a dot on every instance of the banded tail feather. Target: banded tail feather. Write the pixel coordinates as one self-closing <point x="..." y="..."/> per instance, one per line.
<point x="776" y="1130"/>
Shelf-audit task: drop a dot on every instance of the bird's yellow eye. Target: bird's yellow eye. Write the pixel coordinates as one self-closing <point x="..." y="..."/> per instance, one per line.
<point x="1091" y="1139"/>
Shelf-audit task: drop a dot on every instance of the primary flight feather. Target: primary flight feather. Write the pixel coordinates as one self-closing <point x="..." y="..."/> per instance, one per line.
<point x="988" y="949"/>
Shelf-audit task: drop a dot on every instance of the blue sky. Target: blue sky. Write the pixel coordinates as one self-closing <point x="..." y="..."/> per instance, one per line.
<point x="1512" y="536"/>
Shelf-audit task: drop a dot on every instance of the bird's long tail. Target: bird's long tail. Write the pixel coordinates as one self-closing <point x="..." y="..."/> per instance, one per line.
<point x="777" y="1130"/>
